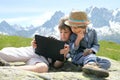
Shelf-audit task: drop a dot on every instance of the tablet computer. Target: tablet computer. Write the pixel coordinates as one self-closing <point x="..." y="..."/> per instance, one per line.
<point x="49" y="47"/>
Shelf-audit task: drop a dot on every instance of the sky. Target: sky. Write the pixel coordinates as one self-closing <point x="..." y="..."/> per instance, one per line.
<point x="36" y="12"/>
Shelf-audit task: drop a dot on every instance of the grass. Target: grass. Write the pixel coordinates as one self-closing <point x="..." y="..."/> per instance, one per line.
<point x="13" y="41"/>
<point x="107" y="49"/>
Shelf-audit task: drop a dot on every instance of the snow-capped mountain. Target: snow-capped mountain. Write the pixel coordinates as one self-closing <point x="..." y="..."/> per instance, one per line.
<point x="48" y="28"/>
<point x="106" y="22"/>
<point x="99" y="16"/>
<point x="5" y="28"/>
<point x="17" y="27"/>
<point x="116" y="14"/>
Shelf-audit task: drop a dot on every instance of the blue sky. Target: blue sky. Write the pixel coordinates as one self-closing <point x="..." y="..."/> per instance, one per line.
<point x="27" y="12"/>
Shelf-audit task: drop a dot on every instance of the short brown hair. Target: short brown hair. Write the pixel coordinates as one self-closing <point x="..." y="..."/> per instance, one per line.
<point x="62" y="25"/>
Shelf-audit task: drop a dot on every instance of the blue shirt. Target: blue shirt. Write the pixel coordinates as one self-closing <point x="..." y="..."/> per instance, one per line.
<point x="89" y="41"/>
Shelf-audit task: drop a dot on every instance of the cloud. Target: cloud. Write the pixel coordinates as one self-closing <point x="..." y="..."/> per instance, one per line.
<point x="30" y="20"/>
<point x="39" y="20"/>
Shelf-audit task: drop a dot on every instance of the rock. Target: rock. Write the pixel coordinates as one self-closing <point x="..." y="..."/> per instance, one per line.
<point x="8" y="73"/>
<point x="68" y="72"/>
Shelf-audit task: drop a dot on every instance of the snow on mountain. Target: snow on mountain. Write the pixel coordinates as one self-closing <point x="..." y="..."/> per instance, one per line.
<point x="106" y="22"/>
<point x="17" y="27"/>
<point x="5" y="28"/>
<point x="48" y="28"/>
<point x="99" y="16"/>
<point x="111" y="33"/>
<point x="17" y="30"/>
<point x="116" y="14"/>
<point x="116" y="11"/>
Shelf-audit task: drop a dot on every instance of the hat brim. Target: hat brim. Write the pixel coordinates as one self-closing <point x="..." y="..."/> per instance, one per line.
<point x="75" y="24"/>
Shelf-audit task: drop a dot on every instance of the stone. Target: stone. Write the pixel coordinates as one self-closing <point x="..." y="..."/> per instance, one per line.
<point x="68" y="72"/>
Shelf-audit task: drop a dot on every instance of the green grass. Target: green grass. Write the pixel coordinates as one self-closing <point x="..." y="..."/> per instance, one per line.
<point x="107" y="49"/>
<point x="14" y="41"/>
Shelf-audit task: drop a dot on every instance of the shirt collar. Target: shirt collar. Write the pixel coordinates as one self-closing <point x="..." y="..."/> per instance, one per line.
<point x="87" y="29"/>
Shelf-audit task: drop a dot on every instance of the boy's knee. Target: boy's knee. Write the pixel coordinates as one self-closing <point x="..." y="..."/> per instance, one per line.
<point x="41" y="67"/>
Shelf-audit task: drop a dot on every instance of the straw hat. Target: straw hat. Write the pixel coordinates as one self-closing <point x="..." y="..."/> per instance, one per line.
<point x="77" y="18"/>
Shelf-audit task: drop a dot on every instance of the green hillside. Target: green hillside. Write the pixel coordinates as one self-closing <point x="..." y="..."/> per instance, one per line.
<point x="13" y="41"/>
<point x="107" y="49"/>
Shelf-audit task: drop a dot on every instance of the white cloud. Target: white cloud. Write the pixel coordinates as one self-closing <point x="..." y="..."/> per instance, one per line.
<point x="26" y="21"/>
<point x="42" y="18"/>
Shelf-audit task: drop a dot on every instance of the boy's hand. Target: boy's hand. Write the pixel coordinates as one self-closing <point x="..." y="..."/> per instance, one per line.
<point x="80" y="36"/>
<point x="52" y="37"/>
<point x="65" y="50"/>
<point x="33" y="43"/>
<point x="87" y="51"/>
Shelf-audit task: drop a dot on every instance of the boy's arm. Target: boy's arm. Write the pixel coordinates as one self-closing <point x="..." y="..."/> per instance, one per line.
<point x="80" y="36"/>
<point x="75" y="41"/>
<point x="65" y="50"/>
<point x="95" y="47"/>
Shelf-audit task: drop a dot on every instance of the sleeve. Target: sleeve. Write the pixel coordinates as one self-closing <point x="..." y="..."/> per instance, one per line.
<point x="71" y="44"/>
<point x="68" y="55"/>
<point x="95" y="44"/>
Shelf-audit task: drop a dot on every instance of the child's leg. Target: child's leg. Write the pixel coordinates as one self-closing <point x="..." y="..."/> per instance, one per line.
<point x="12" y="54"/>
<point x="58" y="64"/>
<point x="90" y="58"/>
<point x="36" y="64"/>
<point x="91" y="66"/>
<point x="78" y="59"/>
<point x="39" y="67"/>
<point x="104" y="63"/>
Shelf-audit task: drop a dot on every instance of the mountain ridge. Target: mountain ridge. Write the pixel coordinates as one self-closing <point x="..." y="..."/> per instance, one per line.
<point x="106" y="22"/>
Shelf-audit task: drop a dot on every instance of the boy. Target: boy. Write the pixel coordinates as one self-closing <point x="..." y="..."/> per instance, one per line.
<point x="84" y="45"/>
<point x="26" y="54"/>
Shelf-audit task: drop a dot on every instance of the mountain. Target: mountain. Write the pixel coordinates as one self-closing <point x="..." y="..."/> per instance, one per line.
<point x="99" y="16"/>
<point x="16" y="30"/>
<point x="17" y="27"/>
<point x="5" y="28"/>
<point x="116" y="14"/>
<point x="105" y="21"/>
<point x="48" y="28"/>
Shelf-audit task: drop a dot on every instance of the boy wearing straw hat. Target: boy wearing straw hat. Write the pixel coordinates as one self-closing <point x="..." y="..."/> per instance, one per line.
<point x="84" y="45"/>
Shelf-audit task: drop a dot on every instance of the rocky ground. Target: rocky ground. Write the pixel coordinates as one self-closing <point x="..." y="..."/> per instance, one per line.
<point x="67" y="72"/>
